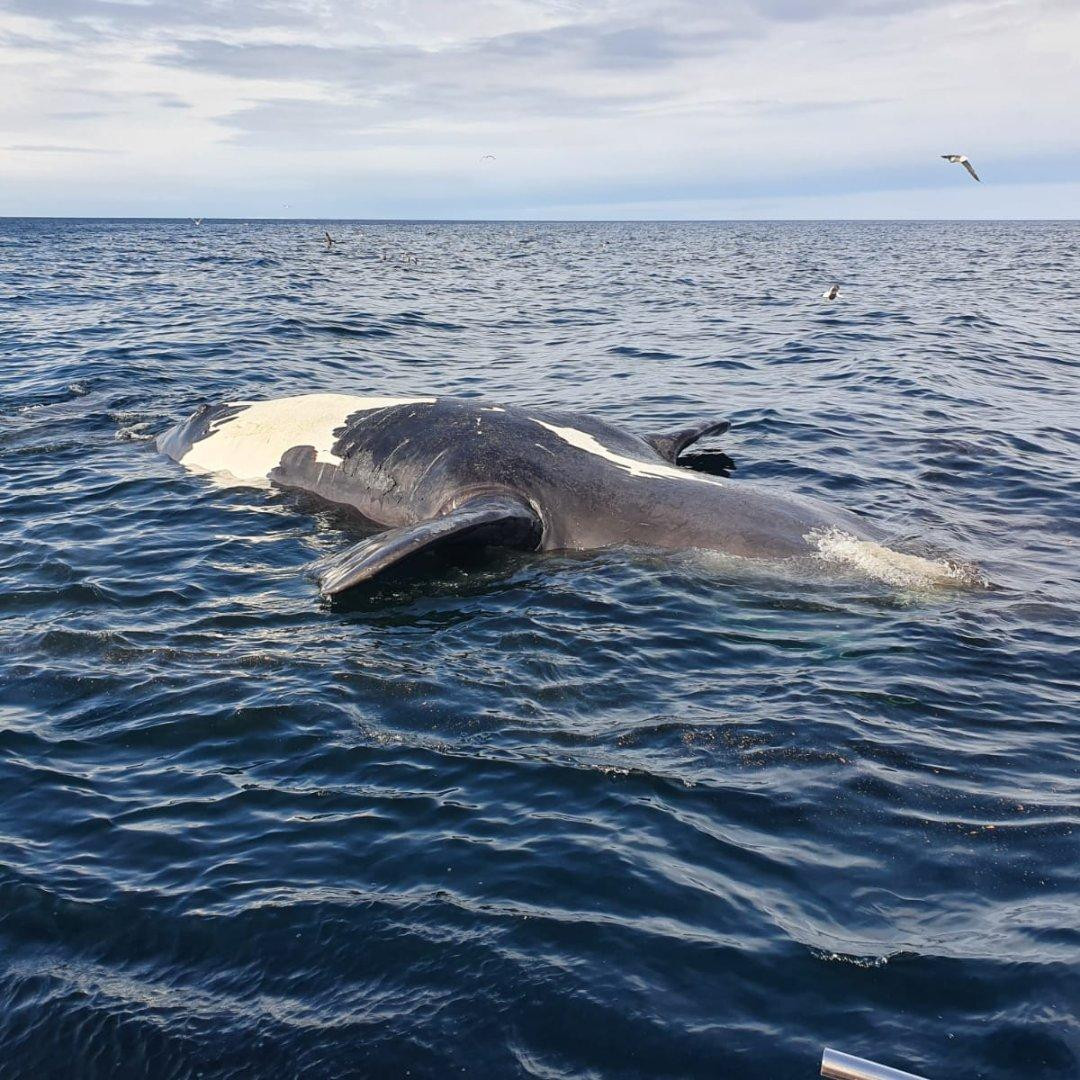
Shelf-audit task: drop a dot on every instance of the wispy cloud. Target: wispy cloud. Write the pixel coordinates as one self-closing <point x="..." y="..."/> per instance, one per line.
<point x="48" y="148"/>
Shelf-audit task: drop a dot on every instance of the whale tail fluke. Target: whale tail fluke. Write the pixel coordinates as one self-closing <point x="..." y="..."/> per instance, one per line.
<point x="485" y="521"/>
<point x="670" y="444"/>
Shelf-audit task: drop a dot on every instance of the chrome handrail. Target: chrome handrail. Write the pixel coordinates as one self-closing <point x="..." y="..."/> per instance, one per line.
<point x="838" y="1066"/>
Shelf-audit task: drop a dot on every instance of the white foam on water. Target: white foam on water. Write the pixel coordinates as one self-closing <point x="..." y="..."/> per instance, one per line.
<point x="250" y="444"/>
<point x="891" y="567"/>
<point x="853" y="958"/>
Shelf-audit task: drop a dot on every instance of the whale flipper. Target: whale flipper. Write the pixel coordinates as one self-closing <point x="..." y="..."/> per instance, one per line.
<point x="484" y="521"/>
<point x="670" y="444"/>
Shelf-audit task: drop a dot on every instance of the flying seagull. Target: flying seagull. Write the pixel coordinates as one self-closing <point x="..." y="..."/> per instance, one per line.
<point x="197" y="220"/>
<point x="832" y="294"/>
<point x="959" y="159"/>
<point x="330" y="241"/>
<point x="488" y="157"/>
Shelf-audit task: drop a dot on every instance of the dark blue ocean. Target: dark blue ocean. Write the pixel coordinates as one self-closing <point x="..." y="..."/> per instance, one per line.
<point x="602" y="815"/>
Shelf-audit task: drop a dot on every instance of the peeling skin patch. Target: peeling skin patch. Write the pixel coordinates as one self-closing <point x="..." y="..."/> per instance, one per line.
<point x="251" y="443"/>
<point x="583" y="441"/>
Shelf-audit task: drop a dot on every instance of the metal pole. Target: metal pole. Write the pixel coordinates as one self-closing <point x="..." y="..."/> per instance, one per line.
<point x="837" y="1066"/>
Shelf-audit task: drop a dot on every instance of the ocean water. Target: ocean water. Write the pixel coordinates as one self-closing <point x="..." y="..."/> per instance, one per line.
<point x="600" y="815"/>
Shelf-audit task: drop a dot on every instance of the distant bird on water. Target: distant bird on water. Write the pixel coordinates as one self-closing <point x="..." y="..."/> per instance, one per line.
<point x="832" y="294"/>
<point x="197" y="220"/>
<point x="959" y="159"/>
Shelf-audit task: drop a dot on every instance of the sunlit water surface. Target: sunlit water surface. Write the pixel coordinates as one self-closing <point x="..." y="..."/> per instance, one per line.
<point x="602" y="815"/>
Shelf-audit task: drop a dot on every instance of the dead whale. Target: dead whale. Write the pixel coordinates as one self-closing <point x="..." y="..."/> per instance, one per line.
<point x="438" y="473"/>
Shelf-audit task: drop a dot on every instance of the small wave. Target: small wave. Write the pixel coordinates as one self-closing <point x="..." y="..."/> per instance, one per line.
<point x="892" y="567"/>
<point x="854" y="959"/>
<point x="140" y="432"/>
<point x="641" y="354"/>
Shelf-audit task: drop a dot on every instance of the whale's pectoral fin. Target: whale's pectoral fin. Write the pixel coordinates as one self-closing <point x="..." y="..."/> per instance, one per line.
<point x="670" y="444"/>
<point x="486" y="521"/>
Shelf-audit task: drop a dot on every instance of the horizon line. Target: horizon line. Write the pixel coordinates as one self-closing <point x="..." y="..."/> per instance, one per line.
<point x="533" y="221"/>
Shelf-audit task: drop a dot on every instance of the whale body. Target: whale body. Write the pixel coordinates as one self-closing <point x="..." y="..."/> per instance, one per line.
<point x="443" y="473"/>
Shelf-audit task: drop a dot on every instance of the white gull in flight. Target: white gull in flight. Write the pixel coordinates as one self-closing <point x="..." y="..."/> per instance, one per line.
<point x="959" y="159"/>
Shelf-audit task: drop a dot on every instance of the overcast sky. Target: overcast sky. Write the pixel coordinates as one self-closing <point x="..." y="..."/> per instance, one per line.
<point x="635" y="109"/>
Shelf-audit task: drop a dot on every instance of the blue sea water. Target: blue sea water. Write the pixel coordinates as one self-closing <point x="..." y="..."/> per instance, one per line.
<point x="595" y="816"/>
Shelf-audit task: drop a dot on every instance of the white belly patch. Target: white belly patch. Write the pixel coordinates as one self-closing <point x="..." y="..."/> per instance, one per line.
<point x="251" y="443"/>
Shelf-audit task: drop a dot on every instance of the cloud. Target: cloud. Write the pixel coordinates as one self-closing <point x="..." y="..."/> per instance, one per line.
<point x="810" y="10"/>
<point x="115" y="17"/>
<point x="46" y="148"/>
<point x="478" y="62"/>
<point x="636" y="102"/>
<point x="572" y="70"/>
<point x="167" y="101"/>
<point x="78" y="114"/>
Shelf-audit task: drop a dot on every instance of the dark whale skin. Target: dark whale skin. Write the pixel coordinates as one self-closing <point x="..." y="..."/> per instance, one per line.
<point x="409" y="463"/>
<point x="443" y="473"/>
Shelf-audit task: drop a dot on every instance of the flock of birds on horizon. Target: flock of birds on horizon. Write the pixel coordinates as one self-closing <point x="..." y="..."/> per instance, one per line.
<point x="410" y="259"/>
